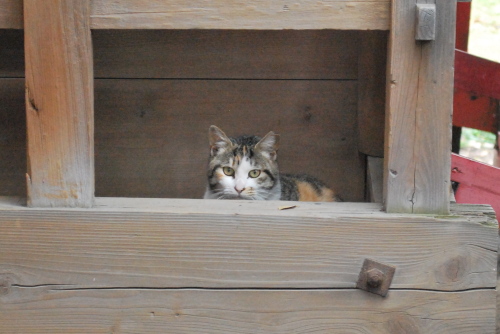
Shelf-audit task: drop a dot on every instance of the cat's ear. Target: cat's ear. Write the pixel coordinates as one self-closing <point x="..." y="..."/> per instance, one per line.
<point x="269" y="145"/>
<point x="217" y="139"/>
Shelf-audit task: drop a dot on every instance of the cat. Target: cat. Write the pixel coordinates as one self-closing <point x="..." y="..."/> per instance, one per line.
<point x="245" y="168"/>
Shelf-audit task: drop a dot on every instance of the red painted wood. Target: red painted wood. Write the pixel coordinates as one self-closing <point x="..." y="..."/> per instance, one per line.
<point x="478" y="183"/>
<point x="477" y="112"/>
<point x="462" y="28"/>
<point x="477" y="75"/>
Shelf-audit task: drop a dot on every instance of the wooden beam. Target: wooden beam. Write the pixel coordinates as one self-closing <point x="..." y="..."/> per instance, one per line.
<point x="229" y="54"/>
<point x="418" y="114"/>
<point x="224" y="14"/>
<point x="59" y="309"/>
<point x="477" y="75"/>
<point x="11" y="14"/>
<point x="141" y="243"/>
<point x="473" y="111"/>
<point x="463" y="24"/>
<point x="479" y="183"/>
<point x="59" y="101"/>
<point x="241" y="14"/>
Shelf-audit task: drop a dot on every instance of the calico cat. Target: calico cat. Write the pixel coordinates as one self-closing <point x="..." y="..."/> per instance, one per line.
<point x="246" y="168"/>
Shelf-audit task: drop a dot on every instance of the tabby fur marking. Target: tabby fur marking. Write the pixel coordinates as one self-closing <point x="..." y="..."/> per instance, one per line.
<point x="245" y="168"/>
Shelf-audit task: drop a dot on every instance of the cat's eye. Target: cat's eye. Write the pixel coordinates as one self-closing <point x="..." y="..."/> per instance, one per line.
<point x="254" y="173"/>
<point x="228" y="171"/>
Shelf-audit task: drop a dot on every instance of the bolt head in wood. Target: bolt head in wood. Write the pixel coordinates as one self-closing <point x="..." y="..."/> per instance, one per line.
<point x="375" y="277"/>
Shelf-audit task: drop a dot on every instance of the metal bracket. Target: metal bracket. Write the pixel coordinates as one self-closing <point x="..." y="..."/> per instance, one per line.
<point x="426" y="22"/>
<point x="375" y="277"/>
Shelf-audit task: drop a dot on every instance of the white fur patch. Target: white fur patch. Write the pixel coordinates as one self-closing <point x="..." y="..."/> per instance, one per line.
<point x="242" y="186"/>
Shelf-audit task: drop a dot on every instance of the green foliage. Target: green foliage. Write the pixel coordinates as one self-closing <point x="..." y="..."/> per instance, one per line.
<point x="476" y="138"/>
<point x="484" y="37"/>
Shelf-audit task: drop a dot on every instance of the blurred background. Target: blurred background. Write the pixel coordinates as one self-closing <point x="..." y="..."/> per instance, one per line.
<point x="484" y="41"/>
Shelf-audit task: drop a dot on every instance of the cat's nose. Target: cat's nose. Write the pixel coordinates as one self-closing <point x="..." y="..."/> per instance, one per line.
<point x="239" y="190"/>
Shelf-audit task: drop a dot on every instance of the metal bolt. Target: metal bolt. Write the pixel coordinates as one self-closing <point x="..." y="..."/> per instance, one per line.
<point x="375" y="277"/>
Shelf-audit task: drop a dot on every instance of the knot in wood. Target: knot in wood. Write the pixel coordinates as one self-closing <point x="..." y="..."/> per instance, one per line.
<point x="5" y="285"/>
<point x="374" y="278"/>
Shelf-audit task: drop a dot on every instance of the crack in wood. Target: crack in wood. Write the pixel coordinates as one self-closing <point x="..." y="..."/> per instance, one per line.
<point x="65" y="287"/>
<point x="31" y="101"/>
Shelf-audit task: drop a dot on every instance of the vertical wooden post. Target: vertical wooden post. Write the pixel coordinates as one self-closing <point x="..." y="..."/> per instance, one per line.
<point x="59" y="102"/>
<point x="418" y="111"/>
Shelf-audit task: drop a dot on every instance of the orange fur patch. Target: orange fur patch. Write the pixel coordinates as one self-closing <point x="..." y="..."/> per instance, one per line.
<point x="307" y="193"/>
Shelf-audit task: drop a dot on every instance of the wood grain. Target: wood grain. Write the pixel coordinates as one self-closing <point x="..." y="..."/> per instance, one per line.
<point x="242" y="244"/>
<point x="12" y="138"/>
<point x="418" y="113"/>
<point x="151" y="135"/>
<point x="226" y="54"/>
<point x="216" y="54"/>
<point x="240" y="14"/>
<point x="63" y="310"/>
<point x="371" y="92"/>
<point x="11" y="14"/>
<point x="59" y="102"/>
<point x="223" y="14"/>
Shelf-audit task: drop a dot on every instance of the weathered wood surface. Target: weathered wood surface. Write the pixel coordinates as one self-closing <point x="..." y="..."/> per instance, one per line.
<point x="477" y="75"/>
<point x="223" y="54"/>
<point x="11" y="14"/>
<point x="12" y="138"/>
<point x="223" y="14"/>
<point x="418" y="113"/>
<point x="59" y="102"/>
<point x="241" y="14"/>
<point x="151" y="135"/>
<point x="477" y="182"/>
<point x="58" y="309"/>
<point x="214" y="54"/>
<point x="242" y="244"/>
<point x="371" y="92"/>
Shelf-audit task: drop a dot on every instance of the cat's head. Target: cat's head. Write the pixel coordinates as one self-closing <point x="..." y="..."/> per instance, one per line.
<point x="242" y="168"/>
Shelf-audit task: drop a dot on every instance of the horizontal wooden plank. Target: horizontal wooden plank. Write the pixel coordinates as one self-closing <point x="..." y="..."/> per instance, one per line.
<point x="222" y="54"/>
<point x="479" y="183"/>
<point x="241" y="14"/>
<point x="151" y="135"/>
<point x="476" y="112"/>
<point x="12" y="137"/>
<point x="477" y="75"/>
<point x="226" y="54"/>
<point x="137" y="120"/>
<point x="242" y="244"/>
<point x="223" y="14"/>
<point x="50" y="310"/>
